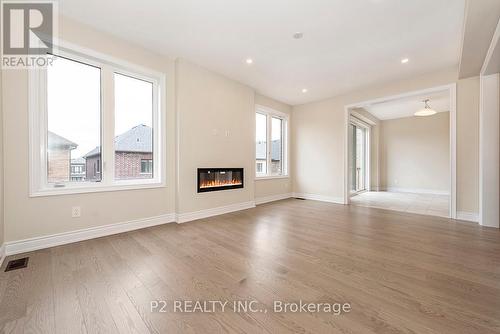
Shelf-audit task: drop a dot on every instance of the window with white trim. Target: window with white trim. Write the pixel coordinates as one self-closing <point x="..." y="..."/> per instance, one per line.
<point x="98" y="112"/>
<point x="271" y="129"/>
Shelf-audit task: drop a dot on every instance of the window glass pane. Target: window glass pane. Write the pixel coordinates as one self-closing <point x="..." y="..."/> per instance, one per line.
<point x="261" y="143"/>
<point x="133" y="128"/>
<point x="74" y="120"/>
<point x="276" y="146"/>
<point x="146" y="166"/>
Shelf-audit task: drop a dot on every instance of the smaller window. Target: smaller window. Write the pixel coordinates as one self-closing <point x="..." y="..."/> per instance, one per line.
<point x="146" y="166"/>
<point x="271" y="143"/>
<point x="98" y="166"/>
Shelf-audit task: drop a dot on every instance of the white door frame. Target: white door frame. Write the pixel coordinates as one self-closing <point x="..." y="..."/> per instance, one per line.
<point x="452" y="91"/>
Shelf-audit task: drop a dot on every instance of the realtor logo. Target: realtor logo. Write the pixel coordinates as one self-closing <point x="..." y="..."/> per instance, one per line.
<point x="27" y="31"/>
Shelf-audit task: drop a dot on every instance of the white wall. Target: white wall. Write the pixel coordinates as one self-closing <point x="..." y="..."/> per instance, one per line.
<point x="282" y="186"/>
<point x="415" y="153"/>
<point x="27" y="217"/>
<point x="318" y="136"/>
<point x="208" y="106"/>
<point x="490" y="151"/>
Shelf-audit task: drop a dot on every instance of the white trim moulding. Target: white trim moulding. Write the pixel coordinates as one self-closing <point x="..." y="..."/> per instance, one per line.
<point x="32" y="244"/>
<point x="190" y="216"/>
<point x="273" y="198"/>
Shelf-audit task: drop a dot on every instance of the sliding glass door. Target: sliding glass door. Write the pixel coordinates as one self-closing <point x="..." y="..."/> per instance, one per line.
<point x="358" y="157"/>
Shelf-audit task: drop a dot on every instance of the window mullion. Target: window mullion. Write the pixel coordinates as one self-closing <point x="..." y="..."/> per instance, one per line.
<point x="268" y="143"/>
<point x="107" y="125"/>
<point x="284" y="146"/>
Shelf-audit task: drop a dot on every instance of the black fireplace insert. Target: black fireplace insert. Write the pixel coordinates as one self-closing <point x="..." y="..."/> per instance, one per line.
<point x="214" y="179"/>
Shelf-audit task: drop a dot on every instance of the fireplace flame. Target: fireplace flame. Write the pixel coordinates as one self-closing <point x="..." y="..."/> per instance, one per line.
<point x="219" y="183"/>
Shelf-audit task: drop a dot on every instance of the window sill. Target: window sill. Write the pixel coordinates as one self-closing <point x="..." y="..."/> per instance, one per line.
<point x="272" y="177"/>
<point x="92" y="188"/>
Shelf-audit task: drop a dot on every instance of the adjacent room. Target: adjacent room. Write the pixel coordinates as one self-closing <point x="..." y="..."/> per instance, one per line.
<point x="399" y="153"/>
<point x="230" y="166"/>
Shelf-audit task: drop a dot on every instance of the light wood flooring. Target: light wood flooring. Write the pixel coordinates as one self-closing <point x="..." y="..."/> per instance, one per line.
<point x="401" y="273"/>
<point x="425" y="204"/>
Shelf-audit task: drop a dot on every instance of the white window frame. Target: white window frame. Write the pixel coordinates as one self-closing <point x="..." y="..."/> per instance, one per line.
<point x="37" y="83"/>
<point x="270" y="113"/>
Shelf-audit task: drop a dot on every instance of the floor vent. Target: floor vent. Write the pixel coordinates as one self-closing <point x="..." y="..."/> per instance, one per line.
<point x="17" y="264"/>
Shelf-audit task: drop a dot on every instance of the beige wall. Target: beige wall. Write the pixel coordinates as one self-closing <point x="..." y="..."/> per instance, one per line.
<point x="216" y="128"/>
<point x="415" y="153"/>
<point x="1" y="167"/>
<point x="468" y="145"/>
<point x="318" y="137"/>
<point x="27" y="217"/>
<point x="274" y="187"/>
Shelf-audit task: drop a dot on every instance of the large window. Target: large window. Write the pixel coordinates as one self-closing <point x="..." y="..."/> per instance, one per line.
<point x="270" y="143"/>
<point x="133" y="127"/>
<point x="73" y="117"/>
<point x="94" y="125"/>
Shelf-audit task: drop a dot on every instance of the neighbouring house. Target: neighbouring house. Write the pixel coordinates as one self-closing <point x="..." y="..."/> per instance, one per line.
<point x="133" y="156"/>
<point x="276" y="157"/>
<point x="58" y="158"/>
<point x="78" y="169"/>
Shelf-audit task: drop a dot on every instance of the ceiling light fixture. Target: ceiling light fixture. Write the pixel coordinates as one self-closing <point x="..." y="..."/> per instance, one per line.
<point x="298" y="35"/>
<point x="426" y="111"/>
<point x="404" y="60"/>
<point x="249" y="61"/>
<point x="304" y="90"/>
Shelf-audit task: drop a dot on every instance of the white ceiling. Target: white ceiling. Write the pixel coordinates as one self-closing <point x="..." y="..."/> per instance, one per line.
<point x="406" y="107"/>
<point x="346" y="44"/>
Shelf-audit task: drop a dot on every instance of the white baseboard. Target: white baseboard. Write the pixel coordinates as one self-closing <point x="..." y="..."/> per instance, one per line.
<point x="190" y="216"/>
<point x="2" y="254"/>
<point x="27" y="245"/>
<point x="267" y="199"/>
<point x="314" y="197"/>
<point x="468" y="216"/>
<point x="416" y="191"/>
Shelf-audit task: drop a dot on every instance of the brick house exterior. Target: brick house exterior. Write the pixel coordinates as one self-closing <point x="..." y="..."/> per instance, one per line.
<point x="128" y="165"/>
<point x="58" y="158"/>
<point x="133" y="156"/>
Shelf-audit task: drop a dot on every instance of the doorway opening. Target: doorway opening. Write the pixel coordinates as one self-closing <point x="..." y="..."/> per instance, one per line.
<point x="398" y="160"/>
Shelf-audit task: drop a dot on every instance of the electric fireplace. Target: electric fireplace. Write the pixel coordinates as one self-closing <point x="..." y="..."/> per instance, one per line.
<point x="214" y="179"/>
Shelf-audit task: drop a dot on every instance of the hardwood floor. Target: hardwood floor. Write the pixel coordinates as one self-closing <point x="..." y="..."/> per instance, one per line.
<point x="400" y="272"/>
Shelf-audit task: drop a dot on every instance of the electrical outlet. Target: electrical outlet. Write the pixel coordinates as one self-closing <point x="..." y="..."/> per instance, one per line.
<point x="76" y="212"/>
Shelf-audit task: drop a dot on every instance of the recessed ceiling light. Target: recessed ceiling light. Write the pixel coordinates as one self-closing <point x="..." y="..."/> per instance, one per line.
<point x="404" y="60"/>
<point x="298" y="35"/>
<point x="304" y="90"/>
<point x="249" y="61"/>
